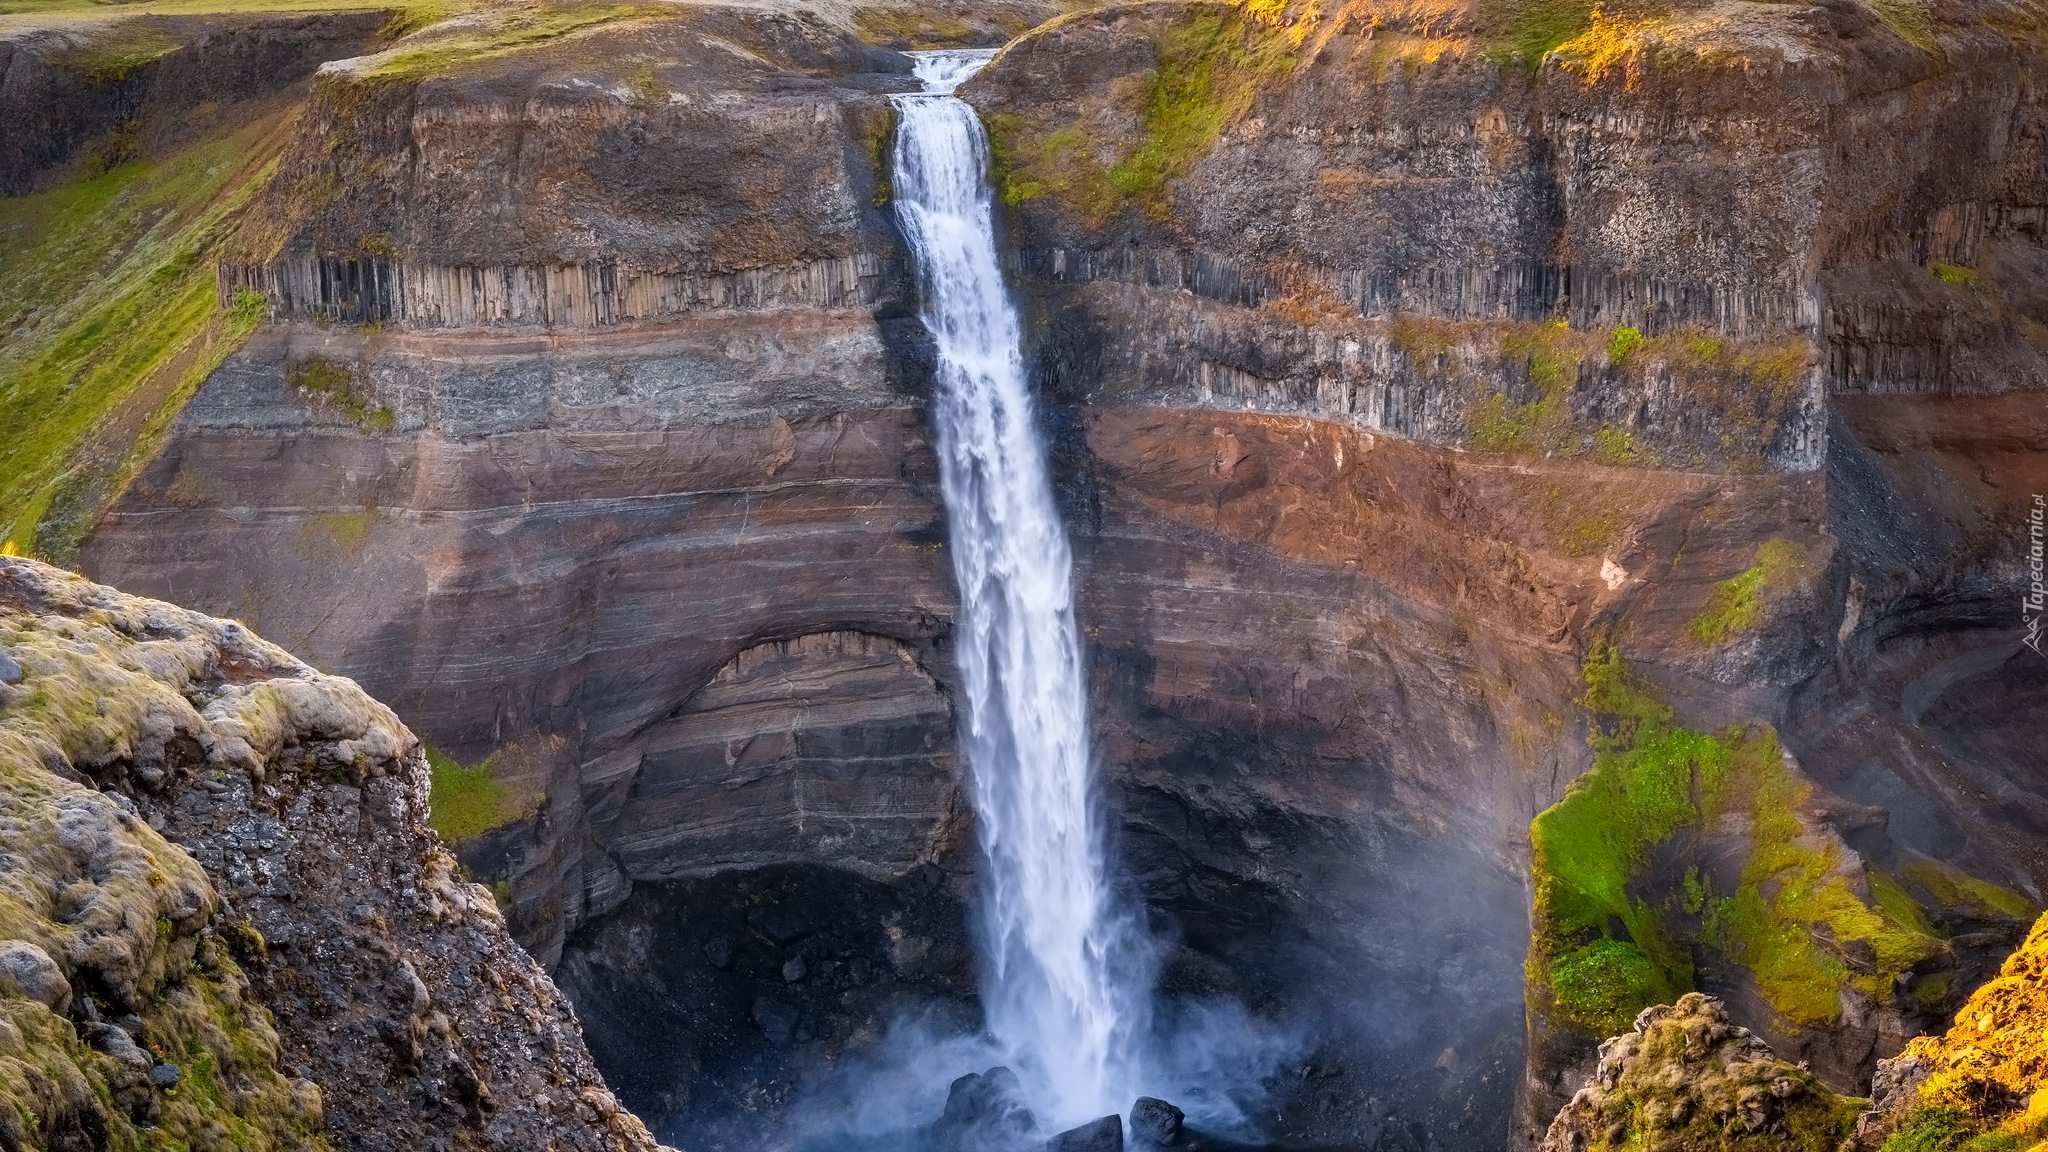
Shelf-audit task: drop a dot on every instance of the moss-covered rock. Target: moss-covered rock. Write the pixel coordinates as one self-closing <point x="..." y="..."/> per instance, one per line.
<point x="196" y="831"/>
<point x="1688" y="1078"/>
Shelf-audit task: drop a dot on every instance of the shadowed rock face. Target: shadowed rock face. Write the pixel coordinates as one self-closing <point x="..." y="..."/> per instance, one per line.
<point x="832" y="748"/>
<point x="689" y="529"/>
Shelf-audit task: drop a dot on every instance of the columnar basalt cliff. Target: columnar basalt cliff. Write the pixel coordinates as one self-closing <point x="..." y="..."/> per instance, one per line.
<point x="228" y="918"/>
<point x="1440" y="420"/>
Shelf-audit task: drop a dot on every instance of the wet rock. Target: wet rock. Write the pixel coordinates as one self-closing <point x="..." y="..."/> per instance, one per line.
<point x="26" y="970"/>
<point x="1155" y="1122"/>
<point x="984" y="1111"/>
<point x="776" y="1018"/>
<point x="794" y="970"/>
<point x="164" y="1077"/>
<point x="1104" y="1135"/>
<point x="718" y="953"/>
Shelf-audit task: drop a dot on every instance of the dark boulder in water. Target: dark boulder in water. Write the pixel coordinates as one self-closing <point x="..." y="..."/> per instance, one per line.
<point x="985" y="1112"/>
<point x="1155" y="1123"/>
<point x="1104" y="1135"/>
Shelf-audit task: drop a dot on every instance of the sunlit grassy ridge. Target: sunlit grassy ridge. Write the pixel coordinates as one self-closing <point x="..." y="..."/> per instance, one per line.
<point x="108" y="292"/>
<point x="1617" y="928"/>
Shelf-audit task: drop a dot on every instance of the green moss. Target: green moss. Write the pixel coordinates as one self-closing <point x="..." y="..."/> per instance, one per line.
<point x="1954" y="888"/>
<point x="337" y="384"/>
<point x="109" y="295"/>
<point x="1944" y="1130"/>
<point x="1732" y="608"/>
<point x="880" y="141"/>
<point x="1591" y="861"/>
<point x="466" y="802"/>
<point x="1617" y="446"/>
<point x="1910" y="20"/>
<point x="1957" y="276"/>
<point x="1209" y="69"/>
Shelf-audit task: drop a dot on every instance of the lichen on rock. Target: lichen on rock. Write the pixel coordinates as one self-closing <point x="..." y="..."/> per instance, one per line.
<point x="1690" y="1078"/>
<point x="198" y="831"/>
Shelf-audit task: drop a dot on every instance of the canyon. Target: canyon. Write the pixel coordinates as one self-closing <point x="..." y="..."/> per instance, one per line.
<point x="1548" y="507"/>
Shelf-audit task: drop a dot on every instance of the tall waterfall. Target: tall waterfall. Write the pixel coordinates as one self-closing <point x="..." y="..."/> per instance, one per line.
<point x="1061" y="985"/>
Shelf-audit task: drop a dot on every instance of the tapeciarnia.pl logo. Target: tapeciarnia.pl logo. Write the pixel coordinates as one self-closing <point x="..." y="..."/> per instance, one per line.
<point x="2036" y="599"/>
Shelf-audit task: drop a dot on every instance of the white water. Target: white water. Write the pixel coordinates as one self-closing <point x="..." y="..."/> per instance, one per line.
<point x="1065" y="985"/>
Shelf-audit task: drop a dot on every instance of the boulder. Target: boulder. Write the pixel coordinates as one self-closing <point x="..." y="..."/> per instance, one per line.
<point x="985" y="1112"/>
<point x="1155" y="1122"/>
<point x="1104" y="1135"/>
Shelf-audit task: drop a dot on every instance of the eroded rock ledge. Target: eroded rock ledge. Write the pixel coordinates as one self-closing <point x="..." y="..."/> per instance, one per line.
<point x="227" y="916"/>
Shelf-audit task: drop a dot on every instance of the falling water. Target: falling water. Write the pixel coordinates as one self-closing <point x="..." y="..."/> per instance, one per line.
<point x="1061" y="985"/>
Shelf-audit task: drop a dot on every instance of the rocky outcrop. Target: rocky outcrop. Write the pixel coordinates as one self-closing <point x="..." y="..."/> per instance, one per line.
<point x="221" y="878"/>
<point x="91" y="94"/>
<point x="1985" y="1074"/>
<point x="1687" y="1078"/>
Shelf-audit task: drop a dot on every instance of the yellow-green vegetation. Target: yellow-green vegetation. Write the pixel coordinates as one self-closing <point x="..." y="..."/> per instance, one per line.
<point x="497" y="32"/>
<point x="1528" y="30"/>
<point x="1209" y="66"/>
<point x="338" y="385"/>
<point x="46" y="13"/>
<point x="1625" y="340"/>
<point x="337" y="535"/>
<point x="466" y="802"/>
<point x="880" y="140"/>
<point x="1550" y="354"/>
<point x="1957" y="275"/>
<point x="1953" y="888"/>
<point x="1690" y="1079"/>
<point x="108" y="290"/>
<point x="1617" y="926"/>
<point x="1733" y="606"/>
<point x="1987" y="1077"/>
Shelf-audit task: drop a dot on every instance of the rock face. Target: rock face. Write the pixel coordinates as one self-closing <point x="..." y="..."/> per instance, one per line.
<point x="1688" y="1078"/>
<point x="94" y="93"/>
<point x="220" y="875"/>
<point x="629" y="453"/>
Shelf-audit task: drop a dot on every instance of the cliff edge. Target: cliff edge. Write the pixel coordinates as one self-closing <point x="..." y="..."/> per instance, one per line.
<point x="225" y="920"/>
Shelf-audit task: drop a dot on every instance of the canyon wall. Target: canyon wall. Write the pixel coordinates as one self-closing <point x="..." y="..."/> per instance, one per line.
<point x="591" y="418"/>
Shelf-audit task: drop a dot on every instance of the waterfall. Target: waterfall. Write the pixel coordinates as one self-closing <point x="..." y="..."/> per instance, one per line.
<point x="1063" y="984"/>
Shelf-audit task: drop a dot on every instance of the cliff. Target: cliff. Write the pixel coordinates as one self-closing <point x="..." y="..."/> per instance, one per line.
<point x="1448" y="405"/>
<point x="228" y="922"/>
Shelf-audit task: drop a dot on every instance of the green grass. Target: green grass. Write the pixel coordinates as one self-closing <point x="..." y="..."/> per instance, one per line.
<point x="1954" y="888"/>
<point x="1911" y="20"/>
<point x="107" y="286"/>
<point x="1207" y="70"/>
<point x="498" y="32"/>
<point x="1734" y="606"/>
<point x="466" y="802"/>
<point x="1527" y="30"/>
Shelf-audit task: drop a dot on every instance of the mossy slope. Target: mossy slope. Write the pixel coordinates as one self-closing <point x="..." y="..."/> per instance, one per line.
<point x="1628" y="908"/>
<point x="108" y="290"/>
